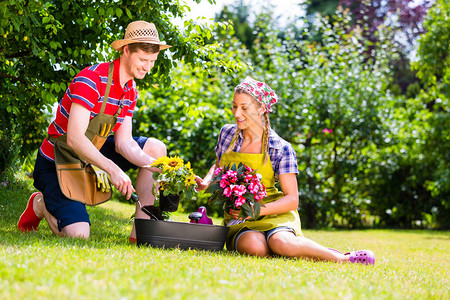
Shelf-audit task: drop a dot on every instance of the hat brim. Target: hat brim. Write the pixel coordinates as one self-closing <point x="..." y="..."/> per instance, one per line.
<point x="118" y="45"/>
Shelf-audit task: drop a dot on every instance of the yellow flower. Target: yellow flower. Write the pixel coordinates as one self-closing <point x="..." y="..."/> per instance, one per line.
<point x="174" y="163"/>
<point x="190" y="180"/>
<point x="162" y="161"/>
<point x="161" y="185"/>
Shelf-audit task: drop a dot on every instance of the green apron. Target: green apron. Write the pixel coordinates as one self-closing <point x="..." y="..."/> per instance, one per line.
<point x="76" y="178"/>
<point x="289" y="219"/>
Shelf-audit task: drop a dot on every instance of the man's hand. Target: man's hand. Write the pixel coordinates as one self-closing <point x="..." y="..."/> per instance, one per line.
<point x="122" y="182"/>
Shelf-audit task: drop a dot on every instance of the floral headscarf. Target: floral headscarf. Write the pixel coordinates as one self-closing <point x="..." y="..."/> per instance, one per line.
<point x="261" y="91"/>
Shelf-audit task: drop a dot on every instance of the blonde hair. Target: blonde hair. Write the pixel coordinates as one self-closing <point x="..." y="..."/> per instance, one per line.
<point x="266" y="122"/>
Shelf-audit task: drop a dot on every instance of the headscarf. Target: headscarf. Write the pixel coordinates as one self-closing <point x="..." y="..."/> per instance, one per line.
<point x="261" y="91"/>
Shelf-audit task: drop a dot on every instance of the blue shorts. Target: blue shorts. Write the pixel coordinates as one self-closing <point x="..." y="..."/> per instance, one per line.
<point x="267" y="233"/>
<point x="67" y="211"/>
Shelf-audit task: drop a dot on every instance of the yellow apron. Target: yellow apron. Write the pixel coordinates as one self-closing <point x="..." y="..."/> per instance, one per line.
<point x="263" y="223"/>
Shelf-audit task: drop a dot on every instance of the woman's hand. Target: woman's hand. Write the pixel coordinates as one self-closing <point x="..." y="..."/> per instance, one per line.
<point x="234" y="213"/>
<point x="151" y="169"/>
<point x="201" y="184"/>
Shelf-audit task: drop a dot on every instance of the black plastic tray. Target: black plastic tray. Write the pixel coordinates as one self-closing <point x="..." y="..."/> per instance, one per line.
<point x="169" y="234"/>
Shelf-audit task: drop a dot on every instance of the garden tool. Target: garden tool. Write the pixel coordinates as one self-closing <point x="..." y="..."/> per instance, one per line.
<point x="200" y="217"/>
<point x="155" y="215"/>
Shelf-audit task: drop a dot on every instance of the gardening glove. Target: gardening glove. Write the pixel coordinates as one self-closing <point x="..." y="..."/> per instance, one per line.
<point x="103" y="181"/>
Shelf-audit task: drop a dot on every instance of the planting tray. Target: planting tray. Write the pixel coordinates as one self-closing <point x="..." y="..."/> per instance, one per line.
<point x="169" y="234"/>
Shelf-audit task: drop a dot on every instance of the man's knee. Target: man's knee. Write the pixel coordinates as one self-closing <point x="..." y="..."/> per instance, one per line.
<point x="77" y="230"/>
<point x="155" y="148"/>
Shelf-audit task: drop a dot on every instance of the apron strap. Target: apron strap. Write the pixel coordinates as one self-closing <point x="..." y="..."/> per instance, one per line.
<point x="108" y="87"/>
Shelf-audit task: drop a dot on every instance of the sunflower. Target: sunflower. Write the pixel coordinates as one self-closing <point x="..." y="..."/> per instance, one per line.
<point x="161" y="161"/>
<point x="174" y="163"/>
<point x="190" y="180"/>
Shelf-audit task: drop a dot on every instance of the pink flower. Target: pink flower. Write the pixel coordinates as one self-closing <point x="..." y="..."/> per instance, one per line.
<point x="239" y="201"/>
<point x="224" y="183"/>
<point x="231" y="173"/>
<point x="326" y="130"/>
<point x="239" y="190"/>
<point x="248" y="177"/>
<point x="227" y="191"/>
<point x="218" y="171"/>
<point x="253" y="187"/>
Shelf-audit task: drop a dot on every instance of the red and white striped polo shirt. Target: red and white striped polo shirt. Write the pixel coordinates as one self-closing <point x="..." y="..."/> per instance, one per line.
<point x="88" y="89"/>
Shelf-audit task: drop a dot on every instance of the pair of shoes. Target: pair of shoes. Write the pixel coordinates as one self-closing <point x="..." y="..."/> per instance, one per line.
<point x="365" y="257"/>
<point x="132" y="240"/>
<point x="28" y="221"/>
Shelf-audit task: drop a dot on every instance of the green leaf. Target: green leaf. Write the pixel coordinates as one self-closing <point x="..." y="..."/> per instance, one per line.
<point x="213" y="187"/>
<point x="119" y="12"/>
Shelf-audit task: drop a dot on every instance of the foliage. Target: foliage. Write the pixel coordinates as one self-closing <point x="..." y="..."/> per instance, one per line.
<point x="238" y="188"/>
<point x="412" y="174"/>
<point x="45" y="43"/>
<point x="433" y="65"/>
<point x="176" y="177"/>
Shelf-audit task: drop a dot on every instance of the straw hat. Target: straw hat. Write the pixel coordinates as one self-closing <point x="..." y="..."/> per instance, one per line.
<point x="140" y="32"/>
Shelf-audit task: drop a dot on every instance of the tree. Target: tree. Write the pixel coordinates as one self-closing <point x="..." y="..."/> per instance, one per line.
<point x="45" y="43"/>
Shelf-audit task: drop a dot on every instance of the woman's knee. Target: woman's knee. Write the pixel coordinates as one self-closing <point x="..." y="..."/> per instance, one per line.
<point x="155" y="148"/>
<point x="283" y="244"/>
<point x="253" y="243"/>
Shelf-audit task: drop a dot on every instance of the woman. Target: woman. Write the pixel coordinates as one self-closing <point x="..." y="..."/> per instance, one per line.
<point x="252" y="142"/>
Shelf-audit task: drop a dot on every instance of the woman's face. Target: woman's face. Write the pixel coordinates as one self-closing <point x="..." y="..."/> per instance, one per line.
<point x="246" y="111"/>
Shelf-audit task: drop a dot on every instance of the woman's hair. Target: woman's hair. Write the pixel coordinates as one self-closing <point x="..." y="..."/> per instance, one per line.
<point x="146" y="47"/>
<point x="266" y="130"/>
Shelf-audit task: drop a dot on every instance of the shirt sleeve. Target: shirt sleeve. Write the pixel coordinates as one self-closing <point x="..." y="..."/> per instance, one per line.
<point x="225" y="136"/>
<point x="219" y="147"/>
<point x="84" y="89"/>
<point x="132" y="106"/>
<point x="288" y="161"/>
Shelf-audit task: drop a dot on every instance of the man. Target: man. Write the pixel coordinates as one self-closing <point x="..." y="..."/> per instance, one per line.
<point x="77" y="112"/>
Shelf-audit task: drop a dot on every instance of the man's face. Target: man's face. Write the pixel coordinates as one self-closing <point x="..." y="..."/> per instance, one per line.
<point x="138" y="63"/>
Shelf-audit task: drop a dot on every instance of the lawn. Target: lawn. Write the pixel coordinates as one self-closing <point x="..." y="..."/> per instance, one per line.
<point x="410" y="264"/>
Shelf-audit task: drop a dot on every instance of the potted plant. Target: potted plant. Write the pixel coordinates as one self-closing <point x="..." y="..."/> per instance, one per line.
<point x="176" y="182"/>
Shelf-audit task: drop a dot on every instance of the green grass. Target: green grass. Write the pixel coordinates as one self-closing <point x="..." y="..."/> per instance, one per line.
<point x="410" y="264"/>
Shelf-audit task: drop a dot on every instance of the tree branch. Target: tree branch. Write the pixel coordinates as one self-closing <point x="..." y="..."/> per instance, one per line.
<point x="3" y="75"/>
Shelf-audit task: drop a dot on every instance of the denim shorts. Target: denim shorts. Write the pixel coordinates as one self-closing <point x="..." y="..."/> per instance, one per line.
<point x="267" y="233"/>
<point x="67" y="211"/>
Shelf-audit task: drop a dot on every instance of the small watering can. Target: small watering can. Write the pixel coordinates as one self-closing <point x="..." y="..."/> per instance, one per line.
<point x="200" y="216"/>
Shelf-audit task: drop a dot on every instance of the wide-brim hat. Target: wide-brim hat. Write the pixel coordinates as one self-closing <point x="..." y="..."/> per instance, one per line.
<point x="140" y="32"/>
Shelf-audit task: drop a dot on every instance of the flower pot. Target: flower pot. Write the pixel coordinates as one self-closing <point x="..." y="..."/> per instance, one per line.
<point x="169" y="234"/>
<point x="168" y="203"/>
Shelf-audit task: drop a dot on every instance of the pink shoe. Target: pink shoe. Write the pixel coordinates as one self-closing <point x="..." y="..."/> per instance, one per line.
<point x="28" y="221"/>
<point x="362" y="257"/>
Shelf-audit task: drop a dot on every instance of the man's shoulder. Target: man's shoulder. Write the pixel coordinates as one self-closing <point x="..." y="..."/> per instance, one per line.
<point x="97" y="70"/>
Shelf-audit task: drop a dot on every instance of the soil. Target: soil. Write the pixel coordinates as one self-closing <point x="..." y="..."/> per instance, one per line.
<point x="153" y="212"/>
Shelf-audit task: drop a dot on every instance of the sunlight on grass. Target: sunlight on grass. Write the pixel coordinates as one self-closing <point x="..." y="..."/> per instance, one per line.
<point x="410" y="264"/>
